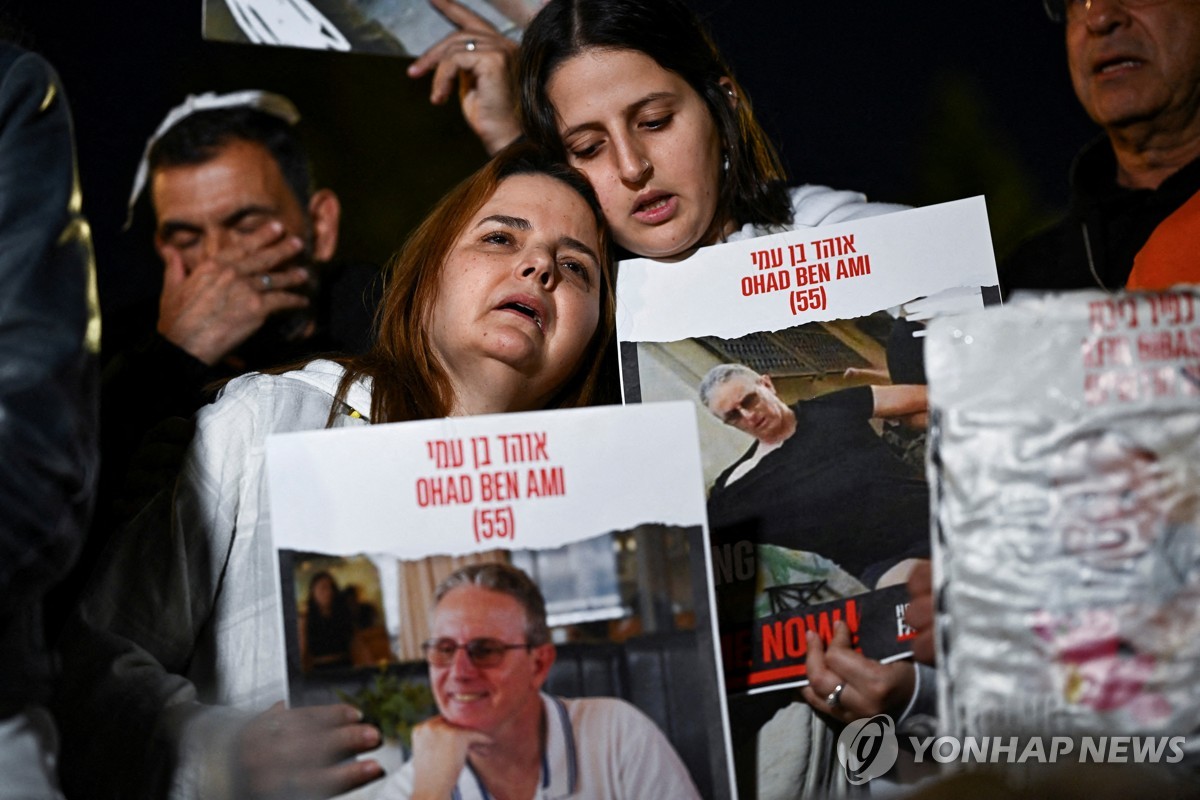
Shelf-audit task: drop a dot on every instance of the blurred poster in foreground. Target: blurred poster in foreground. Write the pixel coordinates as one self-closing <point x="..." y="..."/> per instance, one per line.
<point x="388" y="27"/>
<point x="601" y="507"/>
<point x="1067" y="472"/>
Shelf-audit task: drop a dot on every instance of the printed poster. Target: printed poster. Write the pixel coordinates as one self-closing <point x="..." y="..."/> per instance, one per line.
<point x="1068" y="524"/>
<point x="387" y="27"/>
<point x="368" y="520"/>
<point x="807" y="348"/>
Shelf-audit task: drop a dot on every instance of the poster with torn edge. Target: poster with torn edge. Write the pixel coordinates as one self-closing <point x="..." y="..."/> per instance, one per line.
<point x="579" y="499"/>
<point x="1067" y="534"/>
<point x="812" y="434"/>
<point x="382" y="27"/>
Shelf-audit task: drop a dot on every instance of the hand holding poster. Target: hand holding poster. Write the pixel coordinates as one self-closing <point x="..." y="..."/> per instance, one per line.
<point x="392" y="27"/>
<point x="370" y="522"/>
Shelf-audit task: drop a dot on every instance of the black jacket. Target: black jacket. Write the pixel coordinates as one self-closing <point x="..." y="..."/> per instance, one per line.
<point x="49" y="341"/>
<point x="1116" y="222"/>
<point x="150" y="391"/>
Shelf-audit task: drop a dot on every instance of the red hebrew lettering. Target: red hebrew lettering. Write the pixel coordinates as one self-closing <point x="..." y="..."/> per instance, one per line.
<point x="796" y="251"/>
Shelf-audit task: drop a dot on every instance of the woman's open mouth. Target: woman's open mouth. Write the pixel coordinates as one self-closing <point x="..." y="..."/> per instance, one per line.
<point x="655" y="207"/>
<point x="526" y="308"/>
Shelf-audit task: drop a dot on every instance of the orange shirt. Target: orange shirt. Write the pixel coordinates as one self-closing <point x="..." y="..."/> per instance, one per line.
<point x="1172" y="253"/>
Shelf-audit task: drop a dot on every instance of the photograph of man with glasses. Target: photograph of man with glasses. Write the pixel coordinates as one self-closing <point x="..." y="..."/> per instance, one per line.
<point x="497" y="734"/>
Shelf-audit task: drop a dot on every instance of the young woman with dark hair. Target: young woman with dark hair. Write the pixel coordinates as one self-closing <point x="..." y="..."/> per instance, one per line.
<point x="636" y="95"/>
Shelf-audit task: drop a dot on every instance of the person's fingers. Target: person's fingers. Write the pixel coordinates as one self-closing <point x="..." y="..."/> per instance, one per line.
<point x="924" y="649"/>
<point x="841" y="635"/>
<point x="827" y="681"/>
<point x="240" y="250"/>
<point x="315" y="736"/>
<point x="347" y="740"/>
<point x="331" y="715"/>
<point x="844" y="667"/>
<point x="462" y="16"/>
<point x="920" y="612"/>
<point x="813" y="697"/>
<point x="341" y="778"/>
<point x="843" y="708"/>
<point x="462" y="55"/>
<point x="434" y="55"/>
<point x="819" y="699"/>
<point x="279" y="722"/>
<point x="821" y="678"/>
<point x="920" y="579"/>
<point x="475" y="63"/>
<point x="820" y="657"/>
<point x="320" y="746"/>
<point x="471" y="28"/>
<point x="444" y="84"/>
<point x="870" y="686"/>
<point x="854" y="667"/>
<point x="269" y="232"/>
<point x="273" y="302"/>
<point x="846" y="684"/>
<point x="174" y="271"/>
<point x="459" y="44"/>
<point x="254" y="256"/>
<point x="866" y="675"/>
<point x="815" y="659"/>
<point x="280" y="279"/>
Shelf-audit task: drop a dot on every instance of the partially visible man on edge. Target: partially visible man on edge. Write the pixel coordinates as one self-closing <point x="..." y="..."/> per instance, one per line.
<point x="1135" y="209"/>
<point x="49" y="343"/>
<point x="1134" y="220"/>
<point x="497" y="734"/>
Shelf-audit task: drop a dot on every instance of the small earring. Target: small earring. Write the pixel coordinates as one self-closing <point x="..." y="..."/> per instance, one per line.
<point x="725" y="162"/>
<point x="729" y="91"/>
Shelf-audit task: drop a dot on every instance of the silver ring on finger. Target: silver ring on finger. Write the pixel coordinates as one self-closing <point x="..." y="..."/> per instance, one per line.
<point x="471" y="45"/>
<point x="265" y="280"/>
<point x="834" y="699"/>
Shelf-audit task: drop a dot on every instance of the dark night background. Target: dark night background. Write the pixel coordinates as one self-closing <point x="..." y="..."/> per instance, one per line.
<point x="910" y="102"/>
